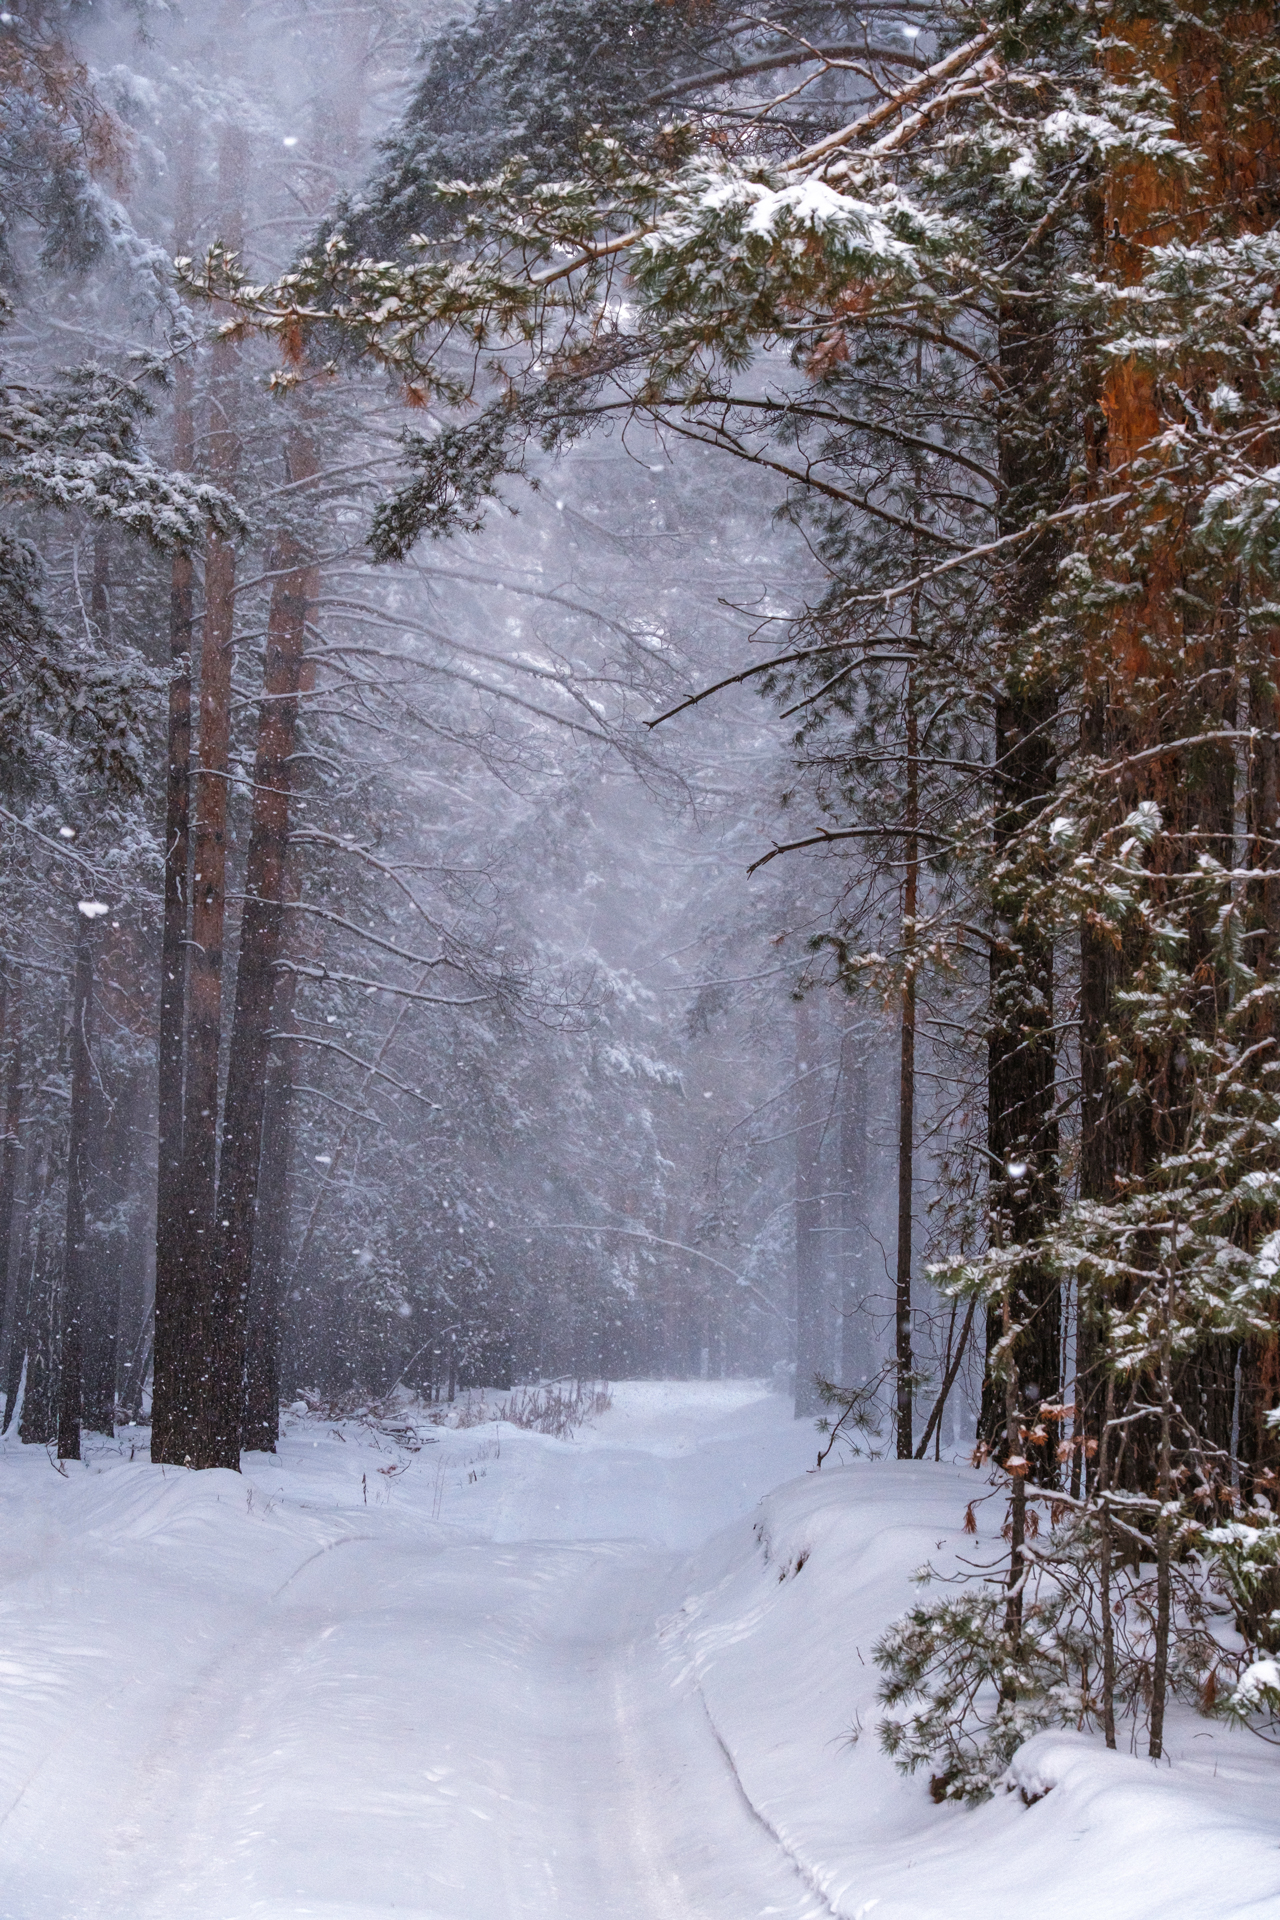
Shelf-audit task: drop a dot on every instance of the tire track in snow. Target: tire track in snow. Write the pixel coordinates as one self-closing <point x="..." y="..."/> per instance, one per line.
<point x="801" y="1868"/>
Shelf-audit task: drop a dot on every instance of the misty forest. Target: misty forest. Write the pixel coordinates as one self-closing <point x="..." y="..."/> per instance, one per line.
<point x="640" y="961"/>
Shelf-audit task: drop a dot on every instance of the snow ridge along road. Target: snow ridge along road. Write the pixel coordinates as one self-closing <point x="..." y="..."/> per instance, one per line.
<point x="507" y="1677"/>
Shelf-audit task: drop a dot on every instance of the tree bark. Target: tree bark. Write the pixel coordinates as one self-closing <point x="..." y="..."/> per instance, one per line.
<point x="270" y="1255"/>
<point x="38" y="1424"/>
<point x="174" y="1330"/>
<point x="904" y="1362"/>
<point x="1164" y="1546"/>
<point x="260" y="950"/>
<point x="111" y="1200"/>
<point x="193" y="1436"/>
<point x="1022" y="1130"/>
<point x="1104" y="1570"/>
<point x="10" y="1151"/>
<point x="812" y="1359"/>
<point x="857" y="1361"/>
<point x="1017" y="1465"/>
<point x="20" y="1335"/>
<point x="193" y="1428"/>
<point x="74" y="1291"/>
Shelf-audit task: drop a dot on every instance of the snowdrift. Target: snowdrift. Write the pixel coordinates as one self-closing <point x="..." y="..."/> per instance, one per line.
<point x="775" y="1635"/>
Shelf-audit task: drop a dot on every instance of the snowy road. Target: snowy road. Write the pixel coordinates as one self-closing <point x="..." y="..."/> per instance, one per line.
<point x="486" y="1731"/>
<point x="501" y="1678"/>
<point x="265" y="1699"/>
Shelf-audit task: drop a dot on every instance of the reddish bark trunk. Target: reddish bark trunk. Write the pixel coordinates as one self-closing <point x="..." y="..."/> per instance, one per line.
<point x="260" y="946"/>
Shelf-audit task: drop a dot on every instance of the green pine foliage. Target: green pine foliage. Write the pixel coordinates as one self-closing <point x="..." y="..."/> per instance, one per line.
<point x="537" y="79"/>
<point x="73" y="441"/>
<point x="968" y="1678"/>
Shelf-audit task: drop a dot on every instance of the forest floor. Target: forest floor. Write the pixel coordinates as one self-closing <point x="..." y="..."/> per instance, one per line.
<point x="485" y="1674"/>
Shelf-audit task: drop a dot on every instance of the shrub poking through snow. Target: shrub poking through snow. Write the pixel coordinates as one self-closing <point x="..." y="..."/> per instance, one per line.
<point x="853" y="1410"/>
<point x="1245" y="1559"/>
<point x="972" y="1673"/>
<point x="974" y="1690"/>
<point x="1245" y="1555"/>
<point x="1257" y="1694"/>
<point x="558" y="1408"/>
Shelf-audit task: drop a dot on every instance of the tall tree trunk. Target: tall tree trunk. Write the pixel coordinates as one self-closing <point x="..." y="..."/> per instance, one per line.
<point x="194" y="1428"/>
<point x="109" y="1247"/>
<point x="812" y="1358"/>
<point x="1168" y="665"/>
<point x="175" y="1332"/>
<point x="38" y="1422"/>
<point x="1165" y="1491"/>
<point x="1022" y="1130"/>
<point x="260" y="950"/>
<point x="1103" y="1484"/>
<point x="74" y="1300"/>
<point x="19" y="1336"/>
<point x="10" y="1152"/>
<point x="857" y="1359"/>
<point x="198" y="1172"/>
<point x="904" y="1363"/>
<point x="1016" y="1583"/>
<point x="270" y="1255"/>
<point x="100" y="592"/>
<point x="273" y="1262"/>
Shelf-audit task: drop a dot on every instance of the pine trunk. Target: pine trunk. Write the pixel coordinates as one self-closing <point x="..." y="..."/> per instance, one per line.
<point x="196" y="1429"/>
<point x="904" y="1362"/>
<point x="270" y="1256"/>
<point x="74" y="1299"/>
<point x="812" y="1360"/>
<point x="260" y="951"/>
<point x="109" y="1249"/>
<point x="1022" y="1131"/>
<point x="857" y="1359"/>
<point x="1016" y="1582"/>
<point x="10" y="1153"/>
<point x="175" y="1334"/>
<point x="38" y="1424"/>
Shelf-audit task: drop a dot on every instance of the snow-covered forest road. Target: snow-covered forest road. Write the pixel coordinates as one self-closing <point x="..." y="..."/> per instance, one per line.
<point x="350" y="1712"/>
<point x="500" y="1676"/>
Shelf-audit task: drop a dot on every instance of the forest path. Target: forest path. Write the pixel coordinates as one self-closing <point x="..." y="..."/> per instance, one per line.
<point x="285" y="1703"/>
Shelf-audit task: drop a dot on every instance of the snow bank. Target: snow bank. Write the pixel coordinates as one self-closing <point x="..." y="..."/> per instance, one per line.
<point x="776" y="1635"/>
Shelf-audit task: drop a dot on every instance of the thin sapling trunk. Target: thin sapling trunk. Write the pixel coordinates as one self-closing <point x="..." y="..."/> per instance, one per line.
<point x="74" y="1290"/>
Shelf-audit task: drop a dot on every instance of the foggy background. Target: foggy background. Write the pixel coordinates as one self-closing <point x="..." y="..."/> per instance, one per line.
<point x="649" y="1105"/>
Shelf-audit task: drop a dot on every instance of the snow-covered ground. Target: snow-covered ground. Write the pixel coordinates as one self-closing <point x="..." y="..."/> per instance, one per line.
<point x="507" y="1677"/>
